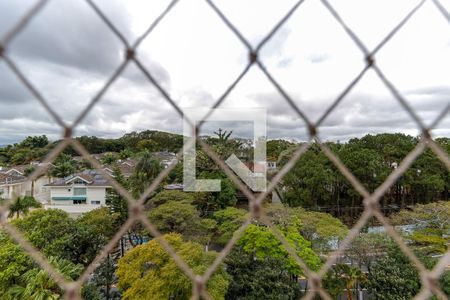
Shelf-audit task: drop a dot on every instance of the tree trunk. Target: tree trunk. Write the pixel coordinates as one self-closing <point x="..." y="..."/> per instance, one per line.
<point x="32" y="188"/>
<point x="349" y="294"/>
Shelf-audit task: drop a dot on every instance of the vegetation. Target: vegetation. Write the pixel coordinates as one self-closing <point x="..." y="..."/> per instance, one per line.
<point x="22" y="205"/>
<point x="151" y="263"/>
<point x="315" y="182"/>
<point x="197" y="225"/>
<point x="259" y="278"/>
<point x="21" y="278"/>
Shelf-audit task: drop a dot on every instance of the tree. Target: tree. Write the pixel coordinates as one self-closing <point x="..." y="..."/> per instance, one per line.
<point x="393" y="277"/>
<point x="431" y="224"/>
<point x="260" y="242"/>
<point x="172" y="195"/>
<point x="109" y="158"/>
<point x="56" y="234"/>
<point x="34" y="142"/>
<point x="323" y="230"/>
<point x="148" y="145"/>
<point x="366" y="248"/>
<point x="102" y="280"/>
<point x="21" y="278"/>
<point x="22" y="206"/>
<point x="13" y="263"/>
<point x="217" y="200"/>
<point x="118" y="205"/>
<point x="101" y="222"/>
<point x="341" y="277"/>
<point x="309" y="182"/>
<point x="276" y="147"/>
<point x="264" y="278"/>
<point x="182" y="218"/>
<point x="36" y="284"/>
<point x="228" y="221"/>
<point x="65" y="165"/>
<point x="151" y="263"/>
<point x="146" y="170"/>
<point x="47" y="230"/>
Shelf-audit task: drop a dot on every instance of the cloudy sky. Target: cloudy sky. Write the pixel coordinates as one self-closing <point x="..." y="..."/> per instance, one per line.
<point x="68" y="53"/>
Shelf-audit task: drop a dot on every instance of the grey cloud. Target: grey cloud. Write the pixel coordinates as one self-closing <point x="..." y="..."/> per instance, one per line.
<point x="11" y="90"/>
<point x="68" y="33"/>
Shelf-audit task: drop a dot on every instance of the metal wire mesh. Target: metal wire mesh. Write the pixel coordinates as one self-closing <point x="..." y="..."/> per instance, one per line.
<point x="429" y="278"/>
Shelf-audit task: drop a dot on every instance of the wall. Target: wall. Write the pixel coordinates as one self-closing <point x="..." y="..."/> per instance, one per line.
<point x="96" y="193"/>
<point x="61" y="192"/>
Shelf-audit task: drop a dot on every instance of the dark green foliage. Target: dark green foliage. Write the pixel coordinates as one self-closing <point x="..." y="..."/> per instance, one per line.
<point x="274" y="148"/>
<point x="100" y="285"/>
<point x="116" y="203"/>
<point x="217" y="200"/>
<point x="259" y="278"/>
<point x="393" y="277"/>
<point x="145" y="171"/>
<point x="343" y="277"/>
<point x="21" y="278"/>
<point x="56" y="234"/>
<point x="64" y="166"/>
<point x="34" y="142"/>
<point x="315" y="181"/>
<point x="22" y="205"/>
<point x="228" y="221"/>
<point x="308" y="183"/>
<point x="109" y="158"/>
<point x="166" y="141"/>
<point x="172" y="195"/>
<point x="182" y="217"/>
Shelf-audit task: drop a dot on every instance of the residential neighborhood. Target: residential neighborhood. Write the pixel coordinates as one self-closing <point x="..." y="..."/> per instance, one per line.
<point x="76" y="193"/>
<point x="71" y="211"/>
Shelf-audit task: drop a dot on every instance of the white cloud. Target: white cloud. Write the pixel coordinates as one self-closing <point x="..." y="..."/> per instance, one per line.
<point x="196" y="57"/>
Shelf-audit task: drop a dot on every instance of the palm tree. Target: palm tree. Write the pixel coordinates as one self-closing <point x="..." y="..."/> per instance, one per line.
<point x="223" y="135"/>
<point x="350" y="276"/>
<point x="146" y="170"/>
<point x="22" y="205"/>
<point x="63" y="169"/>
<point x="36" y="284"/>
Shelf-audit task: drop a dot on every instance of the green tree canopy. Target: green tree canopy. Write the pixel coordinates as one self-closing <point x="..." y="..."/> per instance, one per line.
<point x="228" y="221"/>
<point x="254" y="279"/>
<point x="172" y="195"/>
<point x="149" y="263"/>
<point x="260" y="241"/>
<point x="182" y="218"/>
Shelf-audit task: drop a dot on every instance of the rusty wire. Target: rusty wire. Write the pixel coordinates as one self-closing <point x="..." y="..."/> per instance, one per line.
<point x="136" y="208"/>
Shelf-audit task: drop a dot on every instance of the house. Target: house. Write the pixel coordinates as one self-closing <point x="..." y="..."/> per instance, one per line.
<point x="165" y="158"/>
<point x="126" y="167"/>
<point x="78" y="193"/>
<point x="12" y="185"/>
<point x="19" y="170"/>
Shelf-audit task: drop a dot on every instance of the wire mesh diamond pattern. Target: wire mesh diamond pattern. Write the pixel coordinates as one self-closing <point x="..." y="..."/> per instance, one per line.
<point x="136" y="209"/>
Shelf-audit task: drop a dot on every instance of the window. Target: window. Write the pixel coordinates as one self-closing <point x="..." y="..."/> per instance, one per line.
<point x="79" y="201"/>
<point x="97" y="202"/>
<point x="79" y="181"/>
<point x="79" y="191"/>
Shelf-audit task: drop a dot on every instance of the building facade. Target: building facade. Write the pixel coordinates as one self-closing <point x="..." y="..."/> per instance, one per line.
<point x="86" y="188"/>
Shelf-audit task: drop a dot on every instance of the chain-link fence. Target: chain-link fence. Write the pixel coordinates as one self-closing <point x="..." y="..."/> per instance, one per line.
<point x="429" y="278"/>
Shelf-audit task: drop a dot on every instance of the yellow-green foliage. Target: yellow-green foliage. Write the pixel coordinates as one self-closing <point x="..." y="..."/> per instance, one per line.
<point x="148" y="272"/>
